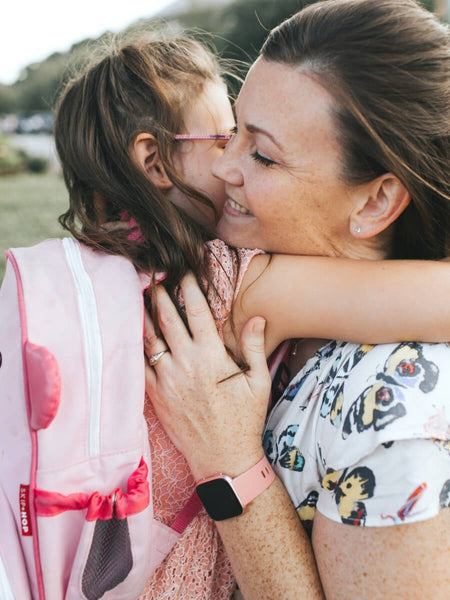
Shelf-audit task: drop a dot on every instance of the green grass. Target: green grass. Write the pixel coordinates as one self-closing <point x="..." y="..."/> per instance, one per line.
<point x="29" y="210"/>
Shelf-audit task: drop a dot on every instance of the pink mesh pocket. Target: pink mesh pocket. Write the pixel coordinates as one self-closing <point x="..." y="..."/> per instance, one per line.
<point x="110" y="559"/>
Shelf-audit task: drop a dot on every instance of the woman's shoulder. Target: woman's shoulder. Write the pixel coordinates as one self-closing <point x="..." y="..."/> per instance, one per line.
<point x="370" y="416"/>
<point x="372" y="394"/>
<point x="390" y="391"/>
<point x="384" y="433"/>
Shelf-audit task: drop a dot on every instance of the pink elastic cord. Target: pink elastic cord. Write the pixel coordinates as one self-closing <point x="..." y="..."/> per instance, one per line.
<point x="99" y="506"/>
<point x="193" y="136"/>
<point x="136" y="234"/>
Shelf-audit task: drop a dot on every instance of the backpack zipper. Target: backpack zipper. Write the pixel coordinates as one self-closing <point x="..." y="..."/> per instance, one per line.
<point x="92" y="339"/>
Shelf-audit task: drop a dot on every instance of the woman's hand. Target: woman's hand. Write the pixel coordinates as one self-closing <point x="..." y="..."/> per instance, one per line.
<point x="216" y="421"/>
<point x="213" y="412"/>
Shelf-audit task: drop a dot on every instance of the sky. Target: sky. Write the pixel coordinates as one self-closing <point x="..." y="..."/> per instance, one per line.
<point x="30" y="32"/>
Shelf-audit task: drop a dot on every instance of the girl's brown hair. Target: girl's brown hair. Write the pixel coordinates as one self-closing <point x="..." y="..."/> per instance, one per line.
<point x="140" y="85"/>
<point x="387" y="65"/>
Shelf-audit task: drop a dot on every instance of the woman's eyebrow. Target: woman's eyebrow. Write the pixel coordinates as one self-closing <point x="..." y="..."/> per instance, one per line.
<point x="254" y="129"/>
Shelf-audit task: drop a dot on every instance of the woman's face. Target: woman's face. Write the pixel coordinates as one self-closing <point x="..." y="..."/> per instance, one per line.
<point x="282" y="167"/>
<point x="210" y="114"/>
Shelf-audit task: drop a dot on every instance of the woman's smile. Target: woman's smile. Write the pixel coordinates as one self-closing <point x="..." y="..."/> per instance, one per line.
<point x="233" y="208"/>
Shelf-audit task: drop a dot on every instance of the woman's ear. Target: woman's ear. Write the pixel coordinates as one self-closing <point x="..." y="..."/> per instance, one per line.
<point x="145" y="151"/>
<point x="380" y="203"/>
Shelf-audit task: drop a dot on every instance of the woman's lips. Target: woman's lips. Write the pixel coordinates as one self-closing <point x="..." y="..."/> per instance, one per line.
<point x="233" y="208"/>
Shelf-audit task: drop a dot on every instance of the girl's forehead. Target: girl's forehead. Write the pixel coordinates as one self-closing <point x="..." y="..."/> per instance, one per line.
<point x="211" y="112"/>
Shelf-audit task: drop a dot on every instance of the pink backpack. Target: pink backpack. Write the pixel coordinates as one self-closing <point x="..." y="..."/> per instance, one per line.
<point x="76" y="510"/>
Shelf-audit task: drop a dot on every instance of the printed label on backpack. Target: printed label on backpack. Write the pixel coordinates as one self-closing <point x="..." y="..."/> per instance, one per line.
<point x="24" y="509"/>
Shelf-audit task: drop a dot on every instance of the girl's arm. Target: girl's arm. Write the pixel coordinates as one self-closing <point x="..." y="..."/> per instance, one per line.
<point x="337" y="298"/>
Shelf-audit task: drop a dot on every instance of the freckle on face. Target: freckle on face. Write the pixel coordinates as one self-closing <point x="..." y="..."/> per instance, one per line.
<point x="300" y="204"/>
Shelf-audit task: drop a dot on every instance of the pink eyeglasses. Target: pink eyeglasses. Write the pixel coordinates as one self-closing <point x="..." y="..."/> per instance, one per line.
<point x="194" y="136"/>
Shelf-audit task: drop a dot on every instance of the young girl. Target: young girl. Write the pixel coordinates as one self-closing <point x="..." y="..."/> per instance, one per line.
<point x="137" y="133"/>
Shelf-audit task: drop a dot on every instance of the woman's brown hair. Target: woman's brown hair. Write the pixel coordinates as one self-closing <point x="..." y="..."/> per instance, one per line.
<point x="387" y="65"/>
<point x="139" y="85"/>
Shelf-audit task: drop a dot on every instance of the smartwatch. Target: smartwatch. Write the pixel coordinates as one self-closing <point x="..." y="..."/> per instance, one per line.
<point x="224" y="497"/>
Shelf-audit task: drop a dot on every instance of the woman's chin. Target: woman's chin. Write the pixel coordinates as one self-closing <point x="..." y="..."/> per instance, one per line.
<point x="229" y="234"/>
<point x="240" y="232"/>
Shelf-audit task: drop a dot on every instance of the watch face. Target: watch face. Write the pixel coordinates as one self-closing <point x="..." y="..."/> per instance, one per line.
<point x="219" y="499"/>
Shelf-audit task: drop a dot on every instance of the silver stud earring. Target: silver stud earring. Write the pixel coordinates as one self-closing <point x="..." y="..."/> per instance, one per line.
<point x="357" y="229"/>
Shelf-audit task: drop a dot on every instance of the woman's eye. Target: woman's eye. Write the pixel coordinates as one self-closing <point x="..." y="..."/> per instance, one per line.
<point x="263" y="160"/>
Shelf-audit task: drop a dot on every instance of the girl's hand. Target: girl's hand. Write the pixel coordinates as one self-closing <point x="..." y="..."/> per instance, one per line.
<point x="213" y="412"/>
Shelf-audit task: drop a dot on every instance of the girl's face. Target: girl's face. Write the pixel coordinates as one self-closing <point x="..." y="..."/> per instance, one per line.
<point x="282" y="167"/>
<point x="211" y="114"/>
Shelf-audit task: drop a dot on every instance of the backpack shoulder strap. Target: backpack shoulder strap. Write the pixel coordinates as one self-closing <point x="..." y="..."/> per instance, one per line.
<point x="187" y="513"/>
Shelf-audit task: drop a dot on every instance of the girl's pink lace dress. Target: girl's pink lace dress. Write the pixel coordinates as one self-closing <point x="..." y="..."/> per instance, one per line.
<point x="197" y="568"/>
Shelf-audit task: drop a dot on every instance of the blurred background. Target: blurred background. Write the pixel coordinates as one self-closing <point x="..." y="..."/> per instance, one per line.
<point x="38" y="43"/>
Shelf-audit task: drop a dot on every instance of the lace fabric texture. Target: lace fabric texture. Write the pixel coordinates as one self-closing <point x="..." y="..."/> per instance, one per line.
<point x="197" y="568"/>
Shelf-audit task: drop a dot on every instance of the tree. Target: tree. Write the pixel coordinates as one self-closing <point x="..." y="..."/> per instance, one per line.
<point x="8" y="99"/>
<point x="38" y="83"/>
<point x="248" y="22"/>
<point x="430" y="5"/>
<point x="237" y="30"/>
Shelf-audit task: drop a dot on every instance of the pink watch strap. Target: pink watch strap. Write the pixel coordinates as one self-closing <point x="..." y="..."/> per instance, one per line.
<point x="253" y="482"/>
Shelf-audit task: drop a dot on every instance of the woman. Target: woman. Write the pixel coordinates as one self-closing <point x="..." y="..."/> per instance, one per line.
<point x="353" y="163"/>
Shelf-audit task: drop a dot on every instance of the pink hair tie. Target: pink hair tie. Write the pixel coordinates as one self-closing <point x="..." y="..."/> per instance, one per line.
<point x="136" y="234"/>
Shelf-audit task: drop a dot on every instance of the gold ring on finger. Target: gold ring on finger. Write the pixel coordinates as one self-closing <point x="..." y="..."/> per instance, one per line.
<point x="154" y="358"/>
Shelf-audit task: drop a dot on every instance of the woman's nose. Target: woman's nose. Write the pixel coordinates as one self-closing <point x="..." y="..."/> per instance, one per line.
<point x="226" y="167"/>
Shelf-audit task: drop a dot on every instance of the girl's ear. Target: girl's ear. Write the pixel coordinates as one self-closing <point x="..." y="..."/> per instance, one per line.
<point x="145" y="151"/>
<point x="380" y="203"/>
